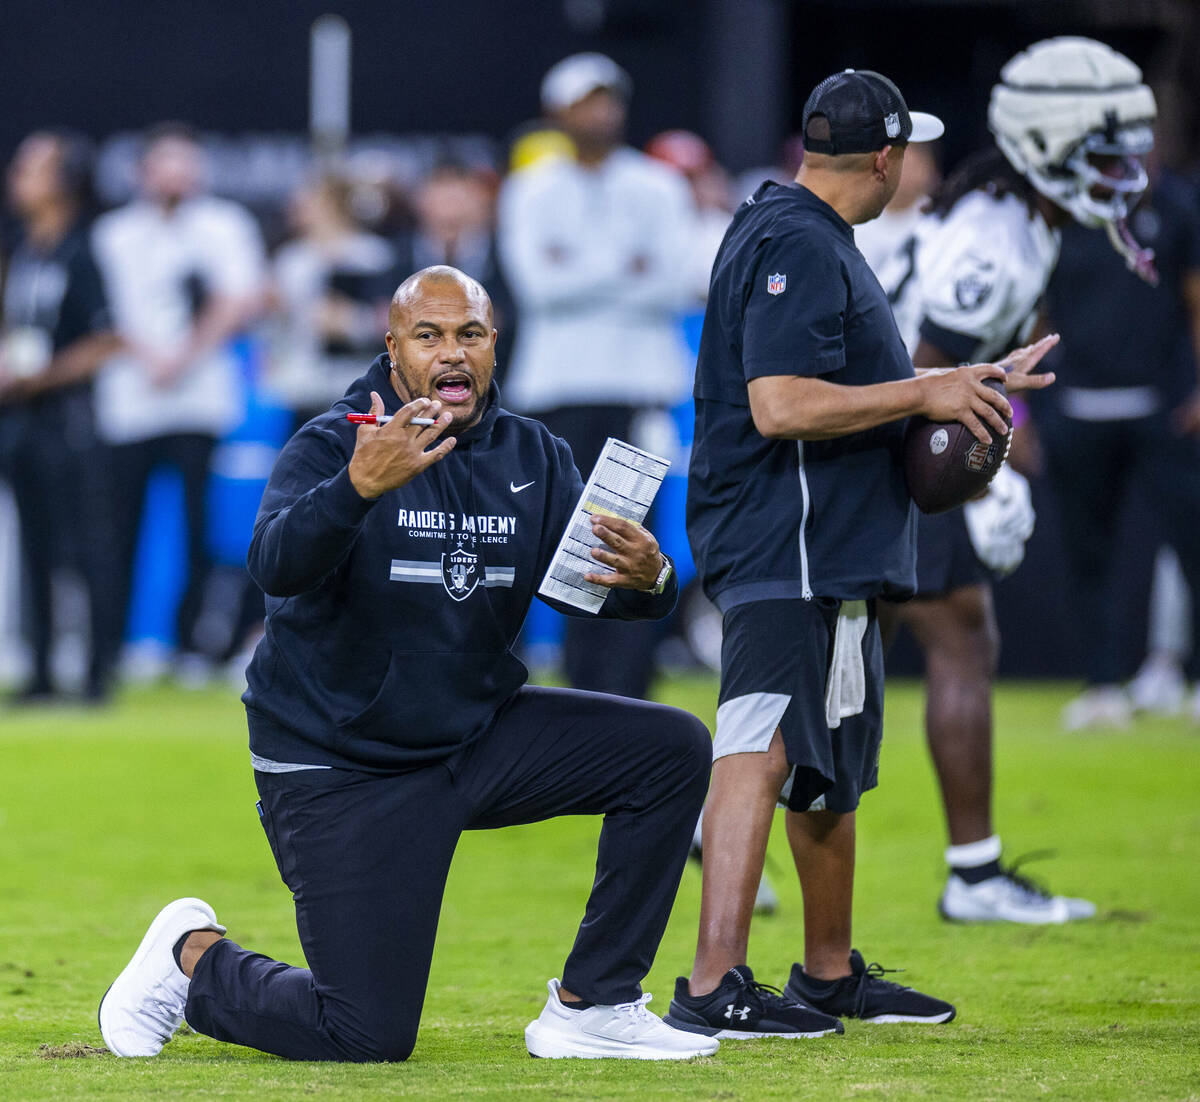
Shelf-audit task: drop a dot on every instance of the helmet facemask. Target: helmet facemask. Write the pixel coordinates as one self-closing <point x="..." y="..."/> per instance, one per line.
<point x="1109" y="176"/>
<point x="1073" y="117"/>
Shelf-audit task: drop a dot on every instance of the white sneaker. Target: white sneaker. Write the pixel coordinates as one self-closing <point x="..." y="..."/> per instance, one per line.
<point x="627" y="1031"/>
<point x="1102" y="706"/>
<point x="1078" y="908"/>
<point x="145" y="661"/>
<point x="144" y="1006"/>
<point x="1008" y="898"/>
<point x="1158" y="687"/>
<point x="193" y="671"/>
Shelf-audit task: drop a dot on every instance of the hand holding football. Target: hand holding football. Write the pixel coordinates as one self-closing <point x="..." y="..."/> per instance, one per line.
<point x="946" y="465"/>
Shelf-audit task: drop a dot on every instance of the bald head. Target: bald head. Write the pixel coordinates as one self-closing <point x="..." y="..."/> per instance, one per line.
<point x="442" y="343"/>
<point x="438" y="280"/>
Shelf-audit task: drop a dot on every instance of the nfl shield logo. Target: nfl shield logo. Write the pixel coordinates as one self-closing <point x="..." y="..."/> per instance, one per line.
<point x="460" y="573"/>
<point x="891" y="123"/>
<point x="776" y="283"/>
<point x="981" y="456"/>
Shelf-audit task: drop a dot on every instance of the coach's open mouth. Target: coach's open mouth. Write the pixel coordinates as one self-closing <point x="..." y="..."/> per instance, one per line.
<point x="453" y="388"/>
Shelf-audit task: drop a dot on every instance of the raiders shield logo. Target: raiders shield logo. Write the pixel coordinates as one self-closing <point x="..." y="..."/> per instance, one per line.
<point x="974" y="282"/>
<point x="460" y="573"/>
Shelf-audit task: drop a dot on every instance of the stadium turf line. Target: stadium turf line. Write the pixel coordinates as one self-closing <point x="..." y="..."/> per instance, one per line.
<point x="106" y="816"/>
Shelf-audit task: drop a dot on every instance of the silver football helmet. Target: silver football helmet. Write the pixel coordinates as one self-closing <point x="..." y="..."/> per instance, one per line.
<point x="1074" y="117"/>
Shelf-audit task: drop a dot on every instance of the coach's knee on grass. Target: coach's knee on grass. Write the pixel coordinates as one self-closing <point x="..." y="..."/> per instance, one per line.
<point x="390" y="1043"/>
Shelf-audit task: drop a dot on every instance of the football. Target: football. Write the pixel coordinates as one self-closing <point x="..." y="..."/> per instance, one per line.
<point x="945" y="465"/>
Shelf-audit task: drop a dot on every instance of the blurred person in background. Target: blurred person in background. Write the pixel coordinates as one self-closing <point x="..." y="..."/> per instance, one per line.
<point x="330" y="288"/>
<point x="1127" y="420"/>
<point x="57" y="330"/>
<point x="1160" y="685"/>
<point x="378" y="198"/>
<point x="454" y="210"/>
<point x="712" y="194"/>
<point x="597" y="251"/>
<point x="185" y="271"/>
<point x="1072" y="122"/>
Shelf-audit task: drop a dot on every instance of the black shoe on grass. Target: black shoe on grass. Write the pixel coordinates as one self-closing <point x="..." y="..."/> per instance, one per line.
<point x="865" y="994"/>
<point x="741" y="1009"/>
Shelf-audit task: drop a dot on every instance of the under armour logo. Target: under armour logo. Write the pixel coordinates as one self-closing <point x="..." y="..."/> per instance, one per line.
<point x="739" y="1012"/>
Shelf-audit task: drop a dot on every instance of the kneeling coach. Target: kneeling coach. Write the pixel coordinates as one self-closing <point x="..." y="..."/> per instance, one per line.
<point x="388" y="714"/>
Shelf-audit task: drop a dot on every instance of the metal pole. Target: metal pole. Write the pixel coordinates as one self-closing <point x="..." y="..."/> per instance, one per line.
<point x="329" y="85"/>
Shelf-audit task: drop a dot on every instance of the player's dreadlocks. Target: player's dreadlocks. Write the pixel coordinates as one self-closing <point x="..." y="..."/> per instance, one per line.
<point x="988" y="170"/>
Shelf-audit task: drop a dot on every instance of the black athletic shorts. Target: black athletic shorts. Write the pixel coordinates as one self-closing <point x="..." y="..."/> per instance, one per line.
<point x="775" y="658"/>
<point x="946" y="559"/>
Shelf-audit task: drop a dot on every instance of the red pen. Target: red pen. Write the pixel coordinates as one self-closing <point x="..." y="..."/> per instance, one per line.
<point x="383" y="419"/>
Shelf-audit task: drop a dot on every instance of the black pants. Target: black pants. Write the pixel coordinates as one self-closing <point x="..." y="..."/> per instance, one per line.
<point x="60" y="477"/>
<point x="366" y="858"/>
<point x="603" y="656"/>
<point x="1092" y="466"/>
<point x="189" y="453"/>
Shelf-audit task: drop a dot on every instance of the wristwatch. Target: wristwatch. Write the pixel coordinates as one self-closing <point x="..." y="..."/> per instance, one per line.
<point x="664" y="576"/>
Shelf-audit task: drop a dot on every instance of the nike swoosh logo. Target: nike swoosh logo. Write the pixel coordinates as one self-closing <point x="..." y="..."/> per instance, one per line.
<point x="517" y="489"/>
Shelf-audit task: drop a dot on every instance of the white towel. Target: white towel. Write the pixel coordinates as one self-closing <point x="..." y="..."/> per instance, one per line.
<point x="846" y="689"/>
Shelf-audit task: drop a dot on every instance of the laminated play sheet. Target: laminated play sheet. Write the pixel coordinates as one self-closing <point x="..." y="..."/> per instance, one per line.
<point x="622" y="484"/>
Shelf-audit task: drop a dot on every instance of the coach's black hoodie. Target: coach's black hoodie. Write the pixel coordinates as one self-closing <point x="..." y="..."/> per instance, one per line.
<point x="390" y="622"/>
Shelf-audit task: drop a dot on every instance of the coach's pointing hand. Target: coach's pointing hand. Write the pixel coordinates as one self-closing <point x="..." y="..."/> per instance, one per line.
<point x="1020" y="363"/>
<point x="392" y="455"/>
<point x="630" y="550"/>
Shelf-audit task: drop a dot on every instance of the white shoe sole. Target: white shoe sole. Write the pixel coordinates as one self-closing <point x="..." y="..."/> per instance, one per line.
<point x="551" y="1045"/>
<point x="981" y="917"/>
<point x="739" y="1035"/>
<point x="162" y="921"/>
<point x="993" y="920"/>
<point x="887" y="1019"/>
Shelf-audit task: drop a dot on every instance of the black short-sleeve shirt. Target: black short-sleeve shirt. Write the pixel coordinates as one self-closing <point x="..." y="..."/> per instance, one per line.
<point x="792" y="295"/>
<point x="1117" y="330"/>
<point x="58" y="291"/>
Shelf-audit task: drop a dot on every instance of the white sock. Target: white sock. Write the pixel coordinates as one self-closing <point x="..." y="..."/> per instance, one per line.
<point x="974" y="853"/>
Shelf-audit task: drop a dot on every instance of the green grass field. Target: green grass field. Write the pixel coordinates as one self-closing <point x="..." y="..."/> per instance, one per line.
<point x="103" y="818"/>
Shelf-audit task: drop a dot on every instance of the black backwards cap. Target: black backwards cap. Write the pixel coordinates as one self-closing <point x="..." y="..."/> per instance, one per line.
<point x="857" y="111"/>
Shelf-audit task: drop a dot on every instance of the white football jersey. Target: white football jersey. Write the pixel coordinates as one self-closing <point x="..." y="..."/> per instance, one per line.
<point x="973" y="279"/>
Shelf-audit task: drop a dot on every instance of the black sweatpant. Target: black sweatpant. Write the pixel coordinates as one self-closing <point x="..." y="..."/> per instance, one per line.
<point x="1093" y="466"/>
<point x="603" y="656"/>
<point x="366" y="858"/>
<point x="189" y="454"/>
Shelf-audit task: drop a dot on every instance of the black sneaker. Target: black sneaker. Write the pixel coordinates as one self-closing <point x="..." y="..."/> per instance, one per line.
<point x="741" y="1009"/>
<point x="864" y="994"/>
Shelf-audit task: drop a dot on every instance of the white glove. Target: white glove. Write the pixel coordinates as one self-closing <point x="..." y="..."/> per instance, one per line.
<point x="1001" y="521"/>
